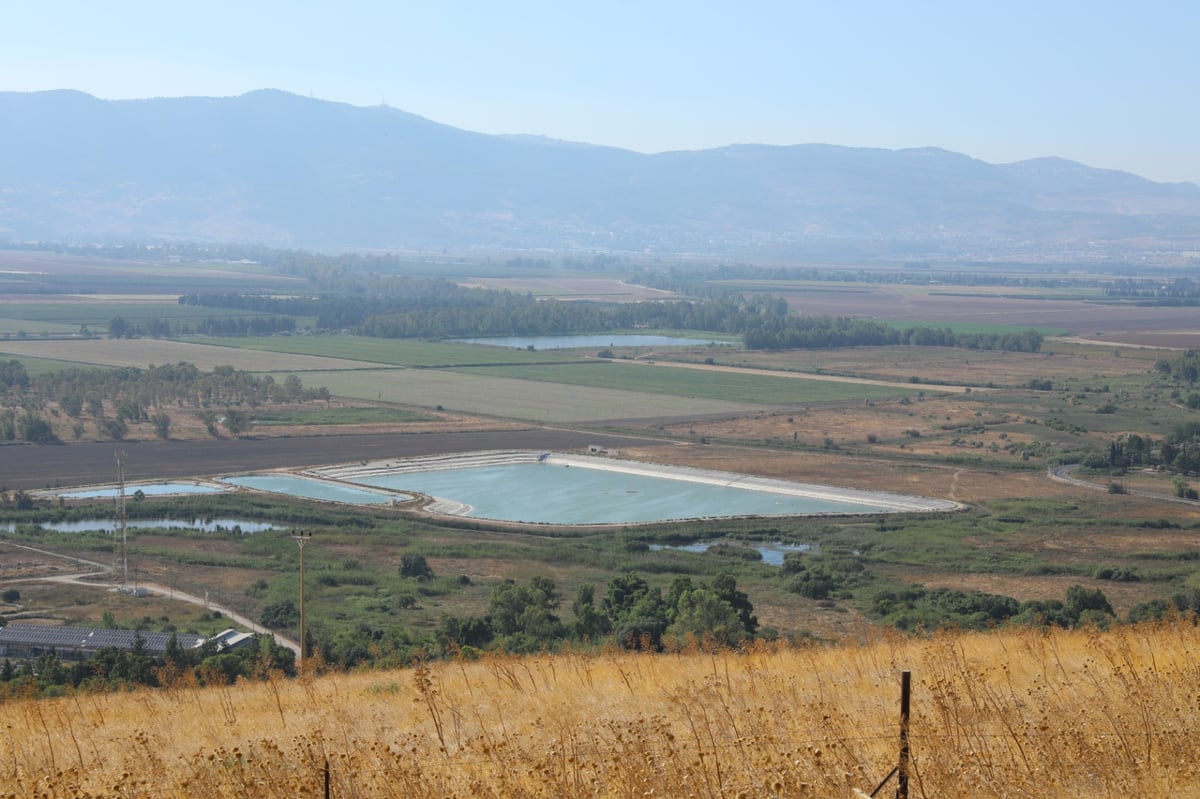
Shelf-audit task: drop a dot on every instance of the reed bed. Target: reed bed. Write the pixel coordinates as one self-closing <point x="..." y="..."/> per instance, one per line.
<point x="1013" y="713"/>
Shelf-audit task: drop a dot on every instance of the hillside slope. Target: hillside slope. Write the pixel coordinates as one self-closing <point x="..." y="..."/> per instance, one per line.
<point x="1028" y="713"/>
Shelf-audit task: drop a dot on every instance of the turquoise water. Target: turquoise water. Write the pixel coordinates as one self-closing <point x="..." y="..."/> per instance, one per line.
<point x="312" y="489"/>
<point x="149" y="489"/>
<point x="557" y="494"/>
<point x="575" y="342"/>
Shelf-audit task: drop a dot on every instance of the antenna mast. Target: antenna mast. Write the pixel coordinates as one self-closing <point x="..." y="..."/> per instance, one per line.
<point x="121" y="518"/>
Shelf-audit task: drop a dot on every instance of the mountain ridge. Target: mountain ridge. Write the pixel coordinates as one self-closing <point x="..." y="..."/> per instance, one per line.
<point x="282" y="169"/>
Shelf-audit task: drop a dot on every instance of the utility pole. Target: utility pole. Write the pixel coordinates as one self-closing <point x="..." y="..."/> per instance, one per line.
<point x="301" y="537"/>
<point x="121" y="517"/>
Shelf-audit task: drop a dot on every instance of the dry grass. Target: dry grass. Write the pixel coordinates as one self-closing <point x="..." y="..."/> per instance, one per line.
<point x="1007" y="714"/>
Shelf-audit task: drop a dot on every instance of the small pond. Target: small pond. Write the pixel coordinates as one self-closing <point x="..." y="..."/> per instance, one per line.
<point x="772" y="554"/>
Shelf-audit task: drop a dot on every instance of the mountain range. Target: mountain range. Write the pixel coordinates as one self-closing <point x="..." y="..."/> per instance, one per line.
<point x="284" y="170"/>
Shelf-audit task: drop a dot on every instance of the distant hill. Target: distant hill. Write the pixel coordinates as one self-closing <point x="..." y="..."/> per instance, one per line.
<point x="285" y="170"/>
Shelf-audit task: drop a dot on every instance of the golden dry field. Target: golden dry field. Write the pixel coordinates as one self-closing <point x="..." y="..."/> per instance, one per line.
<point x="1013" y="713"/>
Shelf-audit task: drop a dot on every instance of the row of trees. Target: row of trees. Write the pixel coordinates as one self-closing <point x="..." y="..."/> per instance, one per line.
<point x="919" y="608"/>
<point x="1183" y="368"/>
<point x="527" y="617"/>
<point x="817" y="332"/>
<point x="523" y="617"/>
<point x="114" y="398"/>
<point x="437" y="308"/>
<point x="155" y="327"/>
<point x="1175" y="289"/>
<point x="1178" y="452"/>
<point x="924" y="608"/>
<point x="118" y="669"/>
<point x="132" y="391"/>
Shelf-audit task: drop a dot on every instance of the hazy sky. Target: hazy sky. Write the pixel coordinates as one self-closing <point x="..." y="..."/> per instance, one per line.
<point x="1111" y="84"/>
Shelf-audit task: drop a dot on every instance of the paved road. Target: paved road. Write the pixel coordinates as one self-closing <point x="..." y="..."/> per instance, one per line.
<point x="30" y="466"/>
<point x="1063" y="474"/>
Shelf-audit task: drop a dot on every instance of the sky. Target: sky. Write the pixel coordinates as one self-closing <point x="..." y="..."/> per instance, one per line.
<point x="1109" y="84"/>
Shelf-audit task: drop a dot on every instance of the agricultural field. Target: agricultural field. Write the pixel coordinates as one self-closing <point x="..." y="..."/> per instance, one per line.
<point x="976" y="426"/>
<point x="1083" y="314"/>
<point x="571" y="288"/>
<point x="89" y="278"/>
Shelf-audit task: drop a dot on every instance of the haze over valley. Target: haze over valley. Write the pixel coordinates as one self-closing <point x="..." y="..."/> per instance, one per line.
<point x="283" y="170"/>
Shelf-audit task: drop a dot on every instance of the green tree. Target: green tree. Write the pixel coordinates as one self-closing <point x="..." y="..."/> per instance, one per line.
<point x="237" y="422"/>
<point x="526" y="609"/>
<point x="33" y="428"/>
<point x="115" y="428"/>
<point x="638" y="613"/>
<point x="725" y="587"/>
<point x="280" y="615"/>
<point x="162" y="425"/>
<point x="209" y="418"/>
<point x="118" y="328"/>
<point x="455" y="631"/>
<point x="71" y="405"/>
<point x="293" y="389"/>
<point x="590" y="622"/>
<point x="1086" y="605"/>
<point x="415" y="566"/>
<point x="704" y="614"/>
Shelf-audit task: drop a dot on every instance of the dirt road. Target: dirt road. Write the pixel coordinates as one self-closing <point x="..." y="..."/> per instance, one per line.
<point x="101" y="570"/>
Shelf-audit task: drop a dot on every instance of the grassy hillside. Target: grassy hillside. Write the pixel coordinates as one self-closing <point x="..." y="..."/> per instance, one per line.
<point x="1004" y="714"/>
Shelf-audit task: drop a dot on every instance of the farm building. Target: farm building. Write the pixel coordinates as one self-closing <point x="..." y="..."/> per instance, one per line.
<point x="28" y="641"/>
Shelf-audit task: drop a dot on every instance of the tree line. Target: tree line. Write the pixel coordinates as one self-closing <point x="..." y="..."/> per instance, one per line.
<point x="113" y="669"/>
<point x="1178" y="452"/>
<point x="775" y="332"/>
<point x="524" y="617"/>
<point x="434" y="308"/>
<point x="114" y="398"/>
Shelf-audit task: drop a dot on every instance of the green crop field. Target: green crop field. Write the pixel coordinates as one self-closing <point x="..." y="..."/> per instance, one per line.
<point x="526" y="399"/>
<point x="69" y="317"/>
<point x="696" y="383"/>
<point x="144" y="352"/>
<point x="338" y="416"/>
<point x="395" y="352"/>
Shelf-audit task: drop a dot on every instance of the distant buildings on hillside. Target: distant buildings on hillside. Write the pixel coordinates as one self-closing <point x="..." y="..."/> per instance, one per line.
<point x="20" y="641"/>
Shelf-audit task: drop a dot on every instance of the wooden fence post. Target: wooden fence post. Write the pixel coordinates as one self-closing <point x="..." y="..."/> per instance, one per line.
<point x="901" y="769"/>
<point x="902" y="766"/>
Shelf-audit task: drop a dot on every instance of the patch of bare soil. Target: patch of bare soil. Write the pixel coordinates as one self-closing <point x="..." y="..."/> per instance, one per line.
<point x="961" y="484"/>
<point x="948" y="365"/>
<point x="20" y="563"/>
